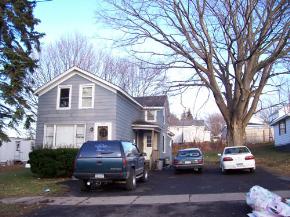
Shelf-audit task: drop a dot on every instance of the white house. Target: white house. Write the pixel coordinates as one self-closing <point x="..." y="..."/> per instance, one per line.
<point x="190" y="131"/>
<point x="16" y="150"/>
<point x="281" y="124"/>
<point x="257" y="131"/>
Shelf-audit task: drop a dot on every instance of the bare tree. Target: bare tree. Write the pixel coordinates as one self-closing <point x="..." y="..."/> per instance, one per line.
<point x="68" y="51"/>
<point x="215" y="123"/>
<point x="231" y="46"/>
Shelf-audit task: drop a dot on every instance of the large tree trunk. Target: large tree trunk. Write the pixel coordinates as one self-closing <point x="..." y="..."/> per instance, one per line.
<point x="236" y="134"/>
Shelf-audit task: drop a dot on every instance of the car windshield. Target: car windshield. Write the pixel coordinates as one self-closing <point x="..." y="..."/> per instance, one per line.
<point x="100" y="149"/>
<point x="237" y="150"/>
<point x="189" y="153"/>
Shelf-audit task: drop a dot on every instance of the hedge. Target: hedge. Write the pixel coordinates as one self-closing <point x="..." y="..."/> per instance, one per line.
<point x="49" y="163"/>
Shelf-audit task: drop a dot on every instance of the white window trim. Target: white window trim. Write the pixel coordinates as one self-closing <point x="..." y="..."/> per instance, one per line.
<point x="58" y="97"/>
<point x="81" y="95"/>
<point x="155" y="116"/>
<point x="164" y="144"/>
<point x="108" y="124"/>
<point x="54" y="133"/>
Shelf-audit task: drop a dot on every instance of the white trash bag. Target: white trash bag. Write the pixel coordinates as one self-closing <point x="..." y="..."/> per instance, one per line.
<point x="266" y="204"/>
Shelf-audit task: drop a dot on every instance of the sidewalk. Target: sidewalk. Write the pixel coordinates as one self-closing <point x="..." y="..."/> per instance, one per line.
<point x="127" y="200"/>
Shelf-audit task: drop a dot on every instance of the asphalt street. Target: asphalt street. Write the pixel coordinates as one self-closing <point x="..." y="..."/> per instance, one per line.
<point x="218" y="209"/>
<point x="211" y="181"/>
<point x="166" y="182"/>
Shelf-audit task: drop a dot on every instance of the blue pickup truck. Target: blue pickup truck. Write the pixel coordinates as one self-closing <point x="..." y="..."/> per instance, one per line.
<point x="109" y="161"/>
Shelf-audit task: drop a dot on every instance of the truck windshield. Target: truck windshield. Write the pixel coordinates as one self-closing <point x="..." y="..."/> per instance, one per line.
<point x="100" y="149"/>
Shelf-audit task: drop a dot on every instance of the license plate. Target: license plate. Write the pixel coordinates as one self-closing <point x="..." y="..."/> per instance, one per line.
<point x="99" y="176"/>
<point x="187" y="162"/>
<point x="240" y="164"/>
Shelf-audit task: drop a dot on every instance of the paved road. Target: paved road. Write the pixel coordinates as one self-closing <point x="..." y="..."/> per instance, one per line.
<point x="219" y="209"/>
<point x="165" y="183"/>
<point x="211" y="181"/>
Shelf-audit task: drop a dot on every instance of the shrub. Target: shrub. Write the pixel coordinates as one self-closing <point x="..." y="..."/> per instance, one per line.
<point x="48" y="163"/>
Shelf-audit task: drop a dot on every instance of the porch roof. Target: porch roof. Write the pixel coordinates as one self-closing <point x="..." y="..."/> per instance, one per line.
<point x="143" y="125"/>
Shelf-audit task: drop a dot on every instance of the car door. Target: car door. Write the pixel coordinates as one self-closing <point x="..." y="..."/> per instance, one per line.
<point x="139" y="159"/>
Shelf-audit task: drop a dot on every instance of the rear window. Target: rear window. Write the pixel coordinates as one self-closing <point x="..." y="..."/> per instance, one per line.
<point x="238" y="150"/>
<point x="189" y="153"/>
<point x="100" y="149"/>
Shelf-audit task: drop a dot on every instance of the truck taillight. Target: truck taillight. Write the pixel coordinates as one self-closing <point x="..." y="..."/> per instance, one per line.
<point x="227" y="159"/>
<point x="124" y="161"/>
<point x="251" y="157"/>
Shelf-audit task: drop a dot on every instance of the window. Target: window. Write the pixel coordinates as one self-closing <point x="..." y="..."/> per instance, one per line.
<point x="86" y="96"/>
<point x="130" y="149"/>
<point x="64" y="135"/>
<point x="149" y="140"/>
<point x="49" y="135"/>
<point x="80" y="134"/>
<point x="282" y="127"/>
<point x="17" y="145"/>
<point x="150" y="115"/>
<point x="64" y="97"/>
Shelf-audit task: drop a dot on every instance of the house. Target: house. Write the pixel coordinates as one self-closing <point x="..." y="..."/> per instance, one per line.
<point x="17" y="149"/>
<point x="281" y="124"/>
<point x="257" y="131"/>
<point x="78" y="106"/>
<point x="190" y="131"/>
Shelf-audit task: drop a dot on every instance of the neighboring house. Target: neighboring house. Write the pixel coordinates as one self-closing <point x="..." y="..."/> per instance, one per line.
<point x="15" y="150"/>
<point x="190" y="131"/>
<point x="257" y="131"/>
<point x="78" y="106"/>
<point x="281" y="124"/>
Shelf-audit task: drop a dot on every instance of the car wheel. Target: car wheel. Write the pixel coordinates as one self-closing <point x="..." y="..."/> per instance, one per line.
<point x="84" y="186"/>
<point x="131" y="181"/>
<point x="252" y="170"/>
<point x="144" y="177"/>
<point x="199" y="170"/>
<point x="224" y="171"/>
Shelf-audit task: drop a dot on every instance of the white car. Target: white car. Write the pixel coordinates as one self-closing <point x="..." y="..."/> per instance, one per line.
<point x="237" y="157"/>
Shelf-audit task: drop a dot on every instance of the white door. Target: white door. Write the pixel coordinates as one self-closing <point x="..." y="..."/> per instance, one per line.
<point x="148" y="143"/>
<point x="64" y="135"/>
<point x="103" y="131"/>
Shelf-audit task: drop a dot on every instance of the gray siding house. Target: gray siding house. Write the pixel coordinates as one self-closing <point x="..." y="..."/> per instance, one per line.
<point x="78" y="106"/>
<point x="281" y="124"/>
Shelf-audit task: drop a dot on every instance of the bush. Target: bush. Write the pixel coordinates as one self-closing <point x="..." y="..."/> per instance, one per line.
<point x="48" y="163"/>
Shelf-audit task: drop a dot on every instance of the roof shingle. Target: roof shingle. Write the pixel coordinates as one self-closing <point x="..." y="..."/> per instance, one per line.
<point x="152" y="101"/>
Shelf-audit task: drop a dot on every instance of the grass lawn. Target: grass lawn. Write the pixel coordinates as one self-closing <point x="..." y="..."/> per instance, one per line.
<point x="266" y="156"/>
<point x="18" y="181"/>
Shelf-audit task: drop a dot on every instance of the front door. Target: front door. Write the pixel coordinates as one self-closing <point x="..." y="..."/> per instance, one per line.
<point x="148" y="143"/>
<point x="103" y="131"/>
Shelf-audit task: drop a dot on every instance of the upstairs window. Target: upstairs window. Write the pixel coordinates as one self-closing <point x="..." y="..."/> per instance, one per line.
<point x="64" y="97"/>
<point x="86" y="96"/>
<point x="150" y="115"/>
<point x="282" y="127"/>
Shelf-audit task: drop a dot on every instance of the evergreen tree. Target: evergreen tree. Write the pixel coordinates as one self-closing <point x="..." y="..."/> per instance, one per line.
<point x="18" y="38"/>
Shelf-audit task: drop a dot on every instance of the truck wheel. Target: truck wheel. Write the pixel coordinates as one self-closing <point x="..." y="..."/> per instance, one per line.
<point x="144" y="177"/>
<point x="131" y="181"/>
<point x="84" y="186"/>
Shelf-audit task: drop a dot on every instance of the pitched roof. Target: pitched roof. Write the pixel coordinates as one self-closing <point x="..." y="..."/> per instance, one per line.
<point x="152" y="101"/>
<point x="192" y="122"/>
<point x="75" y="70"/>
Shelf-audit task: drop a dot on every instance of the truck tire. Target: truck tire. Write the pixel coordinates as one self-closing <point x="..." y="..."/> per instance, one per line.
<point x="144" y="177"/>
<point x="131" y="181"/>
<point x="84" y="187"/>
